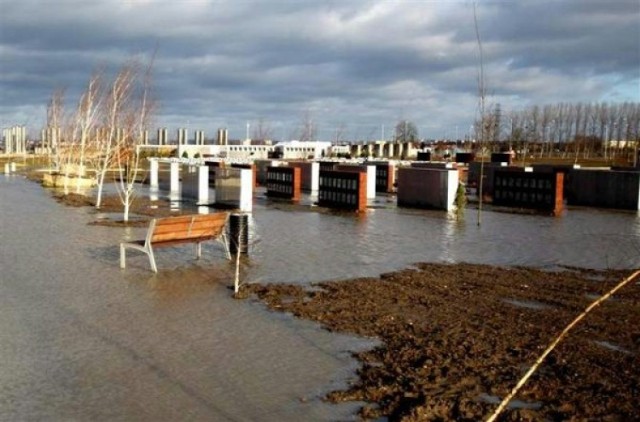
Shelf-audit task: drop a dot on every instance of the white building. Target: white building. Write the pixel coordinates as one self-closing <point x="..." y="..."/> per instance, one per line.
<point x="15" y="140"/>
<point x="292" y="150"/>
<point x="298" y="150"/>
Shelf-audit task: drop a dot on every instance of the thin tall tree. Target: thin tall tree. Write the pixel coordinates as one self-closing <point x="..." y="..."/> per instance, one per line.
<point x="118" y="95"/>
<point x="482" y="91"/>
<point x="87" y="116"/>
<point x="127" y="153"/>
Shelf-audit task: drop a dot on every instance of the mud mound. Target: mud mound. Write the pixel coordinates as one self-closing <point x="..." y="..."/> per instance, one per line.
<point x="457" y="338"/>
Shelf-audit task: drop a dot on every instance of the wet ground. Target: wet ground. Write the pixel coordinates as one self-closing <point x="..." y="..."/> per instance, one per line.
<point x="457" y="338"/>
<point x="82" y="339"/>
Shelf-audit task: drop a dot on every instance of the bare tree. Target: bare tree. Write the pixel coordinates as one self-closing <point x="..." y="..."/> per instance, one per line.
<point x="308" y="128"/>
<point x="633" y="130"/>
<point x="341" y="133"/>
<point x="583" y="128"/>
<point x="482" y="93"/>
<point x="117" y="98"/>
<point x="262" y="130"/>
<point x="55" y="116"/>
<point x="406" y="131"/>
<point x="568" y="125"/>
<point x="545" y="121"/>
<point x="603" y="118"/>
<point x="70" y="152"/>
<point x="496" y="117"/>
<point x="64" y="131"/>
<point x="579" y="133"/>
<point x="614" y="131"/>
<point x="137" y="115"/>
<point x="87" y="115"/>
<point x="593" y="124"/>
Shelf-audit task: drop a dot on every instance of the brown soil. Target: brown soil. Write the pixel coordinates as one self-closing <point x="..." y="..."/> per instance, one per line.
<point x="141" y="210"/>
<point x="455" y="336"/>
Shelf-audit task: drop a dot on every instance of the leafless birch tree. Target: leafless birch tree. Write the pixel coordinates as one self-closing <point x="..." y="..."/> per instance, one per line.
<point x="118" y="96"/>
<point x="137" y="115"/>
<point x="262" y="130"/>
<point x="86" y="118"/>
<point x="55" y="117"/>
<point x="308" y="128"/>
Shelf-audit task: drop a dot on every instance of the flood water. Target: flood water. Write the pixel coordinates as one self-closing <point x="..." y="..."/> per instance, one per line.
<point x="310" y="246"/>
<point x="81" y="339"/>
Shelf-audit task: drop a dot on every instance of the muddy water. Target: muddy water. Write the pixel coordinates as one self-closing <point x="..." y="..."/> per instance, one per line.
<point x="308" y="246"/>
<point x="81" y="339"/>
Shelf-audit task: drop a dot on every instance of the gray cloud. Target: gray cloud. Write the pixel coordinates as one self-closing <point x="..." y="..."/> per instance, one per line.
<point x="363" y="64"/>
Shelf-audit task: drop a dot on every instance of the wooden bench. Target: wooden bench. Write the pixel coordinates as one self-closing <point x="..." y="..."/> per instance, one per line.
<point x="197" y="228"/>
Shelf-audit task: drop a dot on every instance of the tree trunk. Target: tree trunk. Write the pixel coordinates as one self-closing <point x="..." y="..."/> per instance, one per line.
<point x="127" y="203"/>
<point x="99" y="194"/>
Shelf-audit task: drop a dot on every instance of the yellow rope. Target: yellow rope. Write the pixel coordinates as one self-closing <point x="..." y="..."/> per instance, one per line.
<point x="548" y="350"/>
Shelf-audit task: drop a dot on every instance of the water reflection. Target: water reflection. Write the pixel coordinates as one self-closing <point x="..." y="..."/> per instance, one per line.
<point x="154" y="194"/>
<point x="112" y="344"/>
<point x="312" y="246"/>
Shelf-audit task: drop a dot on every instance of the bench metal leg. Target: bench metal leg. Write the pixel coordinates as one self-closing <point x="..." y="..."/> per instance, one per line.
<point x="198" y="250"/>
<point x="152" y="260"/>
<point x="146" y="249"/>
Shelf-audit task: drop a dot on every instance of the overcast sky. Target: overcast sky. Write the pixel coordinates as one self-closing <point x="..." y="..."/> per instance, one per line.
<point x="358" y="65"/>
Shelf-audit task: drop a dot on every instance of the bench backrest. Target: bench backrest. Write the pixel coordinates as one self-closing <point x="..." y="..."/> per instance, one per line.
<point x="195" y="226"/>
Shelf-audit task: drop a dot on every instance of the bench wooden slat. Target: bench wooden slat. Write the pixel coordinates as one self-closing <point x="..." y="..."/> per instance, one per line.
<point x="181" y="241"/>
<point x="193" y="231"/>
<point x="192" y="236"/>
<point x="177" y="224"/>
<point x="222" y="216"/>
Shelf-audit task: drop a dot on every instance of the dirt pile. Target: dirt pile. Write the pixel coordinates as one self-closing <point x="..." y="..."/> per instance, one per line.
<point x="141" y="209"/>
<point x="457" y="338"/>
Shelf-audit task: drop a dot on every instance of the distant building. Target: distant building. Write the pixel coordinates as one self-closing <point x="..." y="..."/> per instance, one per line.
<point x="15" y="140"/>
<point x="299" y="150"/>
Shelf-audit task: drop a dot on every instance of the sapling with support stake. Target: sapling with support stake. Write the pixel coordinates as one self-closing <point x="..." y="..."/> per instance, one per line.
<point x="236" y="279"/>
<point x="239" y="239"/>
<point x="557" y="340"/>
<point x="481" y="95"/>
<point x="126" y="152"/>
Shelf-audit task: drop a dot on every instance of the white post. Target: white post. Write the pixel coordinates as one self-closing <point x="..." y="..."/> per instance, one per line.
<point x="315" y="177"/>
<point x="203" y="184"/>
<point x="7" y="168"/>
<point x="174" y="184"/>
<point x="371" y="182"/>
<point x="153" y="170"/>
<point x="246" y="190"/>
<point x="451" y="188"/>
